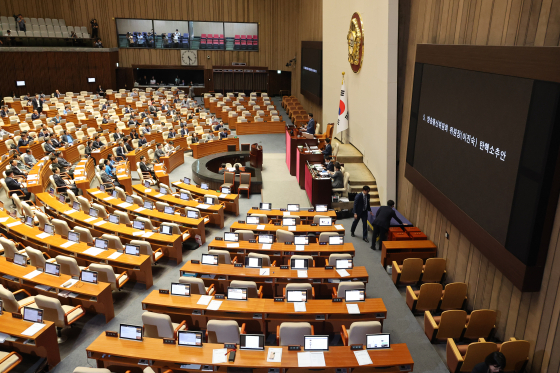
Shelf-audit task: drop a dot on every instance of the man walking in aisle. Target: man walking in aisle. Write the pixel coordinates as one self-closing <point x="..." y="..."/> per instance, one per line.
<point x="361" y="211"/>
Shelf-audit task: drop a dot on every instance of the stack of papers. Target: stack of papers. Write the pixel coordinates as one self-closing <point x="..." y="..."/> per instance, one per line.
<point x="114" y="255"/>
<point x="3" y="337"/>
<point x="69" y="283"/>
<point x="147" y="190"/>
<point x="159" y="195"/>
<point x="101" y="222"/>
<point x="232" y="245"/>
<point x="292" y="228"/>
<point x="343" y="272"/>
<point x="32" y="274"/>
<point x="311" y="359"/>
<point x="67" y="244"/>
<point x="124" y="205"/>
<point x="15" y="223"/>
<point x="71" y="211"/>
<point x="202" y="206"/>
<point x="3" y="220"/>
<point x="90" y="219"/>
<point x="43" y="287"/>
<point x="97" y="191"/>
<point x="299" y="307"/>
<point x="138" y="209"/>
<point x="43" y="235"/>
<point x="8" y="277"/>
<point x="204" y="300"/>
<point x="267" y="246"/>
<point x="222" y="196"/>
<point x="286" y="213"/>
<point x="214" y="305"/>
<point x="219" y="356"/>
<point x="108" y="198"/>
<point x="352" y="308"/>
<point x="33" y="329"/>
<point x="300" y="247"/>
<point x="137" y="233"/>
<point x="363" y="357"/>
<point x="93" y="251"/>
<point x="147" y="234"/>
<point x="302" y="273"/>
<point x="260" y="226"/>
<point x="338" y="226"/>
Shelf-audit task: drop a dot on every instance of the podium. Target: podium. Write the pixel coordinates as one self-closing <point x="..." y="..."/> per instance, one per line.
<point x="256" y="156"/>
<point x="319" y="190"/>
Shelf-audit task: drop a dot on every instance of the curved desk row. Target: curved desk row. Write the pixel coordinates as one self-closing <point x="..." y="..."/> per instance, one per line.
<point x="212" y="147"/>
<point x="230" y="201"/>
<point x="305" y="215"/>
<point x="297" y="229"/>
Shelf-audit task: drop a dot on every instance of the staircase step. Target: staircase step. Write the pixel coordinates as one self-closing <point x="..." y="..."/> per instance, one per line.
<point x="358" y="188"/>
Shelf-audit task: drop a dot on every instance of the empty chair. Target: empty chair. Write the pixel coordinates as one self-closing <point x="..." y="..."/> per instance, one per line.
<point x="244" y="183"/>
<point x="223" y="256"/>
<point x="343" y="286"/>
<point x="60" y="227"/>
<point x="147" y="222"/>
<point x="266" y="262"/>
<point x="9" y="302"/>
<point x="224" y="331"/>
<point x="425" y="299"/>
<point x="407" y="273"/>
<point x="324" y="236"/>
<point x="301" y="286"/>
<point x="114" y="241"/>
<point x="229" y="180"/>
<point x="334" y="257"/>
<point x="516" y="353"/>
<point x="146" y="249"/>
<point x="292" y="333"/>
<point x="10" y="248"/>
<point x="284" y="236"/>
<point x="102" y="213"/>
<point x="85" y="234"/>
<point x="454" y="297"/>
<point x="61" y="315"/>
<point x="356" y="334"/>
<point x="310" y="260"/>
<point x="123" y="217"/>
<point x="37" y="258"/>
<point x="120" y="193"/>
<point x="464" y="359"/>
<point x="252" y="290"/>
<point x="157" y="325"/>
<point x="434" y="270"/>
<point x="105" y="273"/>
<point x="84" y="203"/>
<point x="450" y="324"/>
<point x="245" y="235"/>
<point x="197" y="285"/>
<point x="480" y="324"/>
<point x="69" y="266"/>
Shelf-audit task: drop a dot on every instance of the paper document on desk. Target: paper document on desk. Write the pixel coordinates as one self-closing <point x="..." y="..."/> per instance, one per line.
<point x="147" y="234"/>
<point x="204" y="299"/>
<point x="114" y="255"/>
<point x="219" y="356"/>
<point x="71" y="211"/>
<point x="100" y="222"/>
<point x="3" y="337"/>
<point x="222" y="196"/>
<point x="264" y="272"/>
<point x="299" y="307"/>
<point x="147" y="190"/>
<point x="138" y="233"/>
<point x="79" y="178"/>
<point x="300" y="247"/>
<point x="302" y="273"/>
<point x="260" y="226"/>
<point x="90" y="219"/>
<point x="108" y="198"/>
<point x="97" y="191"/>
<point x="338" y="226"/>
<point x="274" y="355"/>
<point x="311" y="359"/>
<point x="42" y="235"/>
<point x="363" y="357"/>
<point x="352" y="308"/>
<point x="67" y="244"/>
<point x="159" y="195"/>
<point x="214" y="305"/>
<point x="69" y="283"/>
<point x="342" y="273"/>
<point x="124" y="205"/>
<point x="33" y="329"/>
<point x="32" y="274"/>
<point x="232" y="245"/>
<point x="32" y="177"/>
<point x="3" y="220"/>
<point x="139" y="209"/>
<point x="202" y="206"/>
<point x="15" y="223"/>
<point x="292" y="228"/>
<point x="93" y="251"/>
<point x="267" y="246"/>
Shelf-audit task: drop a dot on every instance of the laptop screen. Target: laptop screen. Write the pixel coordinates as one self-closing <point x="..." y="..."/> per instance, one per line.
<point x="132" y="250"/>
<point x="321" y="208"/>
<point x="184" y="196"/>
<point x="180" y="289"/>
<point x="169" y="210"/>
<point x="93" y="212"/>
<point x="299" y="263"/>
<point x="209" y="259"/>
<point x="251" y="341"/>
<point x="204" y="186"/>
<point x="355" y="295"/>
<point x="130" y="200"/>
<point x="162" y="190"/>
<point x="316" y="343"/>
<point x="209" y="200"/>
<point x="252" y="220"/>
<point x="102" y="187"/>
<point x="301" y="240"/>
<point x="231" y="237"/>
<point x="251" y="262"/>
<point x="136" y="224"/>
<point x="237" y="293"/>
<point x="52" y="269"/>
<point x="131" y="332"/>
<point x="344" y="263"/>
<point x="266" y="238"/>
<point x="325" y="222"/>
<point x="186" y="180"/>
<point x="296" y="295"/>
<point x="61" y="199"/>
<point x="73" y="236"/>
<point x="20" y="259"/>
<point x="226" y="190"/>
<point x="288" y="222"/>
<point x="188" y="338"/>
<point x="166" y="229"/>
<point x="336" y="240"/>
<point x="33" y="314"/>
<point x="114" y="219"/>
<point x="378" y="341"/>
<point x="101" y="243"/>
<point x="293" y="208"/>
<point x="192" y="214"/>
<point x="148" y="205"/>
<point x="88" y="276"/>
<point x="265" y="206"/>
<point x="49" y="229"/>
<point x="146" y="184"/>
<point x="76" y="206"/>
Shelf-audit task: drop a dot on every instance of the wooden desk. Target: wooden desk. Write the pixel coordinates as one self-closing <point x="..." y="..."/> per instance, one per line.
<point x="174" y="160"/>
<point x="44" y="341"/>
<point x="263" y="315"/>
<point x="401" y="250"/>
<point x="302" y="157"/>
<point x="139" y="268"/>
<point x="230" y="201"/>
<point x="302" y="228"/>
<point x="134" y="156"/>
<point x="38" y="177"/>
<point x="214" y="212"/>
<point x="319" y="190"/>
<point x="171" y="246"/>
<point x="292" y="143"/>
<point x="111" y="351"/>
<point x="161" y="173"/>
<point x="102" y="154"/>
<point x="281" y="252"/>
<point x="71" y="153"/>
<point x="257" y="128"/>
<point x="212" y="147"/>
<point x="305" y="215"/>
<point x="83" y="175"/>
<point x="194" y="226"/>
<point x="95" y="298"/>
<point x="37" y="150"/>
<point x="123" y="176"/>
<point x="323" y="280"/>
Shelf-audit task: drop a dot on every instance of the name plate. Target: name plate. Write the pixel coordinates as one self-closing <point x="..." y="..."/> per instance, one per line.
<point x="288" y="243"/>
<point x="230" y="345"/>
<point x="219" y="238"/>
<point x="252" y="241"/>
<point x="168" y="341"/>
<point x="241" y="221"/>
<point x="238" y="264"/>
<point x="163" y="291"/>
<point x="337" y="299"/>
<point x="294" y="348"/>
<point x="322" y="243"/>
<point x="279" y="299"/>
<point x="195" y="261"/>
<point x="311" y="210"/>
<point x="219" y="296"/>
<point x="111" y="334"/>
<point x="17" y="315"/>
<point x="284" y="267"/>
<point x="329" y="267"/>
<point x="313" y="224"/>
<point x="255" y="208"/>
<point x="356" y="347"/>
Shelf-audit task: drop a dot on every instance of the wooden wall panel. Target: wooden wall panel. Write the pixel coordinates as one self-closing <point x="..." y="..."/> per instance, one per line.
<point x="530" y="316"/>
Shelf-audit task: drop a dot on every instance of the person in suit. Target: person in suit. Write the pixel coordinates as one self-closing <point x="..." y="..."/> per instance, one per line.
<point x="63" y="185"/>
<point x="128" y="144"/>
<point x="13" y="184"/>
<point x="145" y="168"/>
<point x="4" y="112"/>
<point x="145" y="130"/>
<point x="96" y="144"/>
<point x="172" y="134"/>
<point x="169" y="148"/>
<point x="191" y="91"/>
<point x="37" y="104"/>
<point x="222" y="169"/>
<point x="183" y="131"/>
<point x="100" y="91"/>
<point x="49" y="148"/>
<point x="118" y="135"/>
<point x="56" y="94"/>
<point x="382" y="221"/>
<point x="328" y="148"/>
<point x="194" y="138"/>
<point x="142" y="140"/>
<point x="223" y="134"/>
<point x="105" y="119"/>
<point x="57" y="119"/>
<point x="330" y="164"/>
<point x="65" y="138"/>
<point x="23" y="141"/>
<point x="337" y="177"/>
<point x="35" y="115"/>
<point x="55" y="142"/>
<point x="310" y="125"/>
<point x="493" y="363"/>
<point x="150" y="120"/>
<point x="144" y="114"/>
<point x="29" y="159"/>
<point x="361" y="212"/>
<point x="159" y="151"/>
<point x="19" y="162"/>
<point x="18" y="172"/>
<point x="121" y="152"/>
<point x="164" y="106"/>
<point x="151" y="108"/>
<point x="128" y="110"/>
<point x="103" y="107"/>
<point x="133" y="134"/>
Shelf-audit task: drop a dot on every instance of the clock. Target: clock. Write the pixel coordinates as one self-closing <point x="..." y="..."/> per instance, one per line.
<point x="189" y="57"/>
<point x="355" y="40"/>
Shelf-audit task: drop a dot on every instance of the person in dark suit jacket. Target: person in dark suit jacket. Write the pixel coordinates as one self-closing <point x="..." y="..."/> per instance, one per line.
<point x="361" y="212"/>
<point x="57" y="94"/>
<point x="194" y="138"/>
<point x="150" y="120"/>
<point x="14" y="185"/>
<point x="105" y="119"/>
<point x="18" y="172"/>
<point x="382" y="221"/>
<point x="328" y="148"/>
<point x="35" y="115"/>
<point x="49" y="148"/>
<point x="4" y="112"/>
<point x="118" y="135"/>
<point x="144" y="167"/>
<point x="183" y="131"/>
<point x="128" y="144"/>
<point x="37" y="104"/>
<point x="55" y="142"/>
<point x="62" y="184"/>
<point x="121" y="152"/>
<point x="172" y="134"/>
<point x="96" y="144"/>
<point x="330" y="164"/>
<point x="159" y="151"/>
<point x="310" y="125"/>
<point x="133" y="134"/>
<point x="142" y="140"/>
<point x="223" y="134"/>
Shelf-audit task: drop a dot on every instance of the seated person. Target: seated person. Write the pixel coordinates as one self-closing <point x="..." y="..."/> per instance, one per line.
<point x="65" y="138"/>
<point x="183" y="131"/>
<point x="44" y="132"/>
<point x="29" y="159"/>
<point x="19" y="162"/>
<point x="128" y="144"/>
<point x="14" y="185"/>
<point x="57" y="119"/>
<point x="169" y="148"/>
<point x="49" y="147"/>
<point x="24" y="140"/>
<point x="55" y="142"/>
<point x="142" y="140"/>
<point x="223" y="134"/>
<point x="118" y="135"/>
<point x="337" y="177"/>
<point x="145" y="130"/>
<point x="18" y="172"/>
<point x="35" y="115"/>
<point x="237" y="169"/>
<point x="222" y="169"/>
<point x="133" y="134"/>
<point x="96" y="144"/>
<point x="328" y="148"/>
<point x="62" y="184"/>
<point x="194" y="138"/>
<point x="172" y="134"/>
<point x="121" y="151"/>
<point x="103" y="108"/>
<point x="329" y="164"/>
<point x="146" y="168"/>
<point x="4" y="112"/>
<point x="159" y="151"/>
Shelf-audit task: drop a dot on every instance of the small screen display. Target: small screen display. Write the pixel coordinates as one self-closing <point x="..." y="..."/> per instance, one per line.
<point x="93" y="212"/>
<point x="325" y="222"/>
<point x="130" y="200"/>
<point x="266" y="238"/>
<point x="73" y="236"/>
<point x="88" y="276"/>
<point x="209" y="259"/>
<point x="336" y="240"/>
<point x="226" y="190"/>
<point x="132" y="250"/>
<point x="131" y="332"/>
<point x="20" y="83"/>
<point x="20" y="259"/>
<point x="296" y="295"/>
<point x="101" y="243"/>
<point x="192" y="214"/>
<point x="169" y="210"/>
<point x="52" y="269"/>
<point x="301" y="240"/>
<point x="186" y="180"/>
<point x="251" y="342"/>
<point x="251" y="262"/>
<point x="204" y="186"/>
<point x="180" y="289"/>
<point x="187" y="338"/>
<point x="162" y="190"/>
<point x="265" y="206"/>
<point x="76" y="206"/>
<point x="299" y="263"/>
<point x="321" y="208"/>
<point x="344" y="263"/>
<point x="253" y="220"/>
<point x="49" y="229"/>
<point x="288" y="222"/>
<point x="209" y="200"/>
<point x="378" y="341"/>
<point x="293" y="208"/>
<point x="91" y="80"/>
<point x="114" y="219"/>
<point x="237" y="293"/>
<point x="316" y="343"/>
<point x="231" y="237"/>
<point x="355" y="295"/>
<point x="33" y="314"/>
<point x="148" y="205"/>
<point x="184" y="196"/>
<point x="166" y="229"/>
<point x="138" y="225"/>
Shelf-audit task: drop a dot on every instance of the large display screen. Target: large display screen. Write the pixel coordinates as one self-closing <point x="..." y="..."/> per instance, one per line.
<point x="312" y="70"/>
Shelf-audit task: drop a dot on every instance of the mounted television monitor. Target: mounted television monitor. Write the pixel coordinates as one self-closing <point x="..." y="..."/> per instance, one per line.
<point x="483" y="148"/>
<point x="91" y="80"/>
<point x="20" y="83"/>
<point x="237" y="293"/>
<point x="316" y="343"/>
<point x="312" y="71"/>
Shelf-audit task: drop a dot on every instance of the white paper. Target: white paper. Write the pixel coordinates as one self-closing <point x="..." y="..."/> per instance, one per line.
<point x="114" y="255"/>
<point x="311" y="359"/>
<point x="233" y="245"/>
<point x="32" y="274"/>
<point x="33" y="329"/>
<point x="202" y="206"/>
<point x="353" y="308"/>
<point x="147" y="234"/>
<point x="214" y="305"/>
<point x="140" y="209"/>
<point x="338" y="226"/>
<point x="3" y="220"/>
<point x="43" y="235"/>
<point x="363" y="357"/>
<point x="264" y="272"/>
<point x="267" y="246"/>
<point x="90" y="219"/>
<point x="93" y="251"/>
<point x="137" y="233"/>
<point x="108" y="198"/>
<point x="3" y="337"/>
<point x="159" y="195"/>
<point x="101" y="222"/>
<point x="15" y="223"/>
<point x="97" y="191"/>
<point x="176" y="183"/>
<point x="300" y="247"/>
<point x="299" y="307"/>
<point x="292" y="228"/>
<point x="71" y="211"/>
<point x="274" y="355"/>
<point x="79" y="178"/>
<point x="222" y="196"/>
<point x="342" y="273"/>
<point x="302" y="273"/>
<point x="219" y="356"/>
<point x="204" y="299"/>
<point x="260" y="226"/>
<point x="67" y="244"/>
<point x="286" y="213"/>
<point x="68" y="283"/>
<point x="124" y="205"/>
<point x="147" y="190"/>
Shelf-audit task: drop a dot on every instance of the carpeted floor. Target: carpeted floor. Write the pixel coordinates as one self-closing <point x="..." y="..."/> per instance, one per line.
<point x="279" y="189"/>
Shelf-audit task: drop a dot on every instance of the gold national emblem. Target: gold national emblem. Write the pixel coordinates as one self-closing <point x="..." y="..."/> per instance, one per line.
<point x="356" y="42"/>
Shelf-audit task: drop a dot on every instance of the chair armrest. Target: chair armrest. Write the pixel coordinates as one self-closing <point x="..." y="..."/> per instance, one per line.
<point x="278" y="335"/>
<point x="334" y="292"/>
<point x="72" y="310"/>
<point x="312" y="292"/>
<point x="46" y="255"/>
<point x="344" y="335"/>
<point x="260" y="291"/>
<point x="430" y="326"/>
<point x="21" y="291"/>
<point x="154" y="253"/>
<point x="481" y="340"/>
<point x="118" y="278"/>
<point x="313" y="263"/>
<point x="183" y="323"/>
<point x="234" y="260"/>
<point x="273" y="264"/>
<point x="411" y="298"/>
<point x="5" y="358"/>
<point x="211" y="287"/>
<point x="512" y="339"/>
<point x="454" y="358"/>
<point x="242" y="328"/>
<point x="396" y="273"/>
<point x="312" y="330"/>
